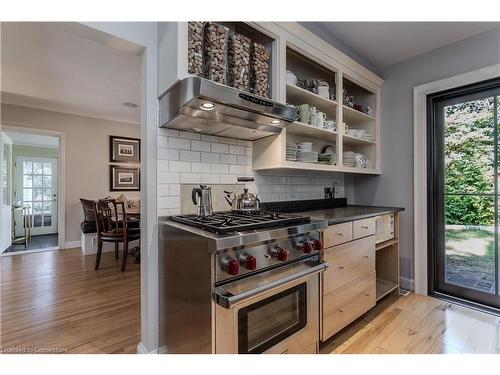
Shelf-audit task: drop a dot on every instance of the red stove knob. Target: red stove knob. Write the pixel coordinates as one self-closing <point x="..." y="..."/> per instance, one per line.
<point x="307" y="247"/>
<point x="250" y="262"/>
<point x="280" y="254"/>
<point x="318" y="244"/>
<point x="232" y="267"/>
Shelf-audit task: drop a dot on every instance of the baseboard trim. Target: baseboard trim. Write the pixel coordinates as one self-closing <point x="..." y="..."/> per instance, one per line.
<point x="72" y="244"/>
<point x="407" y="283"/>
<point x="141" y="349"/>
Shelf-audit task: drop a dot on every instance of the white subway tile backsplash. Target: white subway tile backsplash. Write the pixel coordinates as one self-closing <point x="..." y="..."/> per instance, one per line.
<point x="189" y="135"/>
<point x="219" y="147"/>
<point x="179" y="143"/>
<point x="219" y="168"/>
<point x="169" y="202"/>
<point x="209" y="178"/>
<point x="237" y="150"/>
<point x="163" y="190"/>
<point x="168" y="154"/>
<point x="190" y="178"/>
<point x="228" y="179"/>
<point x="168" y="178"/>
<point x="242" y="142"/>
<point x="189" y="155"/>
<point x="228" y="159"/>
<point x="209" y="138"/>
<point x="200" y="146"/>
<point x="175" y="189"/>
<point x="191" y="158"/>
<point x="179" y="166"/>
<point x="162" y="166"/>
<point x="200" y="167"/>
<point x="237" y="169"/>
<point x="210" y="157"/>
<point x="244" y="160"/>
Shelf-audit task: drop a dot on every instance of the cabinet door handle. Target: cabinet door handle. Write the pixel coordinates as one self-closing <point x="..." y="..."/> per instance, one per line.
<point x="366" y="294"/>
<point x="366" y="256"/>
<point x="364" y="227"/>
<point x="341" y="268"/>
<point x="339" y="310"/>
<point x="340" y="234"/>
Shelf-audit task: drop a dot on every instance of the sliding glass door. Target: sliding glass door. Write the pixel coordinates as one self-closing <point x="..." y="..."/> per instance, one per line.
<point x="464" y="193"/>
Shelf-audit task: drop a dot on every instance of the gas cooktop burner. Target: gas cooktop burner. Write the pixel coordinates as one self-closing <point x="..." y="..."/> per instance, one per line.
<point x="227" y="222"/>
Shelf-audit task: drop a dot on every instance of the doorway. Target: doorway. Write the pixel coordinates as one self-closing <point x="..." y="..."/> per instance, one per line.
<point x="463" y="186"/>
<point x="35" y="192"/>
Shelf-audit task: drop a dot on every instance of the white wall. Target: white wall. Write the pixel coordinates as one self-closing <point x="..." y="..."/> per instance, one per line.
<point x="394" y="187"/>
<point x="190" y="158"/>
<point x="145" y="34"/>
<point x="86" y="154"/>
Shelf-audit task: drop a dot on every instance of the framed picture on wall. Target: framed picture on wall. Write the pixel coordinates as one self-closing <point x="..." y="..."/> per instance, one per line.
<point x="124" y="178"/>
<point x="124" y="150"/>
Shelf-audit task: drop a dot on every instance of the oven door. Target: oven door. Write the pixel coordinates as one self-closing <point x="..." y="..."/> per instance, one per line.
<point x="273" y="312"/>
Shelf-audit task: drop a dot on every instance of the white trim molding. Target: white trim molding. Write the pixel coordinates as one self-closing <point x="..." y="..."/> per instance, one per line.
<point x="420" y="161"/>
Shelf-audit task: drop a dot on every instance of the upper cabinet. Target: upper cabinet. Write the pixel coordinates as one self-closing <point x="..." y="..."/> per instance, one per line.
<point x="338" y="123"/>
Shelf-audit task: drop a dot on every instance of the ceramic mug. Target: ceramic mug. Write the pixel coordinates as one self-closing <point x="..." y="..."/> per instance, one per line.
<point x="324" y="91"/>
<point x="305" y="107"/>
<point x="305" y="117"/>
<point x="318" y="119"/>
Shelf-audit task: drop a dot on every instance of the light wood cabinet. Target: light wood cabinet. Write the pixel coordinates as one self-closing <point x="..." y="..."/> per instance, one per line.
<point x="346" y="304"/>
<point x="348" y="262"/>
<point x="360" y="272"/>
<point x="337" y="234"/>
<point x="363" y="228"/>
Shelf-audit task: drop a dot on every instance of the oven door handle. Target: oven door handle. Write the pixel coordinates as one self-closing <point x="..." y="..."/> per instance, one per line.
<point x="228" y="300"/>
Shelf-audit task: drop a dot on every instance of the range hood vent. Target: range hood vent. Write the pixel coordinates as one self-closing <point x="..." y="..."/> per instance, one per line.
<point x="198" y="105"/>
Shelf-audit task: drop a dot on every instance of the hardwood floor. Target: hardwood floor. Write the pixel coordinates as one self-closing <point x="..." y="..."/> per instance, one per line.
<point x="54" y="302"/>
<point x="418" y="324"/>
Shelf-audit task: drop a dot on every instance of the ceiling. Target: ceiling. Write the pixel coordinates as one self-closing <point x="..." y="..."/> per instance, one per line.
<point x="386" y="43"/>
<point x="71" y="69"/>
<point x="25" y="139"/>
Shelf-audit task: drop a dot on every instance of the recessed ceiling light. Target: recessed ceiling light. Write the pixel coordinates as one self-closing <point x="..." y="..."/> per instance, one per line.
<point x="275" y="122"/>
<point x="130" y="105"/>
<point x="207" y="106"/>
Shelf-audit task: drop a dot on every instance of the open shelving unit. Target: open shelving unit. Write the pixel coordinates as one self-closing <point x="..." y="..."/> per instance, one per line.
<point x="307" y="68"/>
<point x="387" y="264"/>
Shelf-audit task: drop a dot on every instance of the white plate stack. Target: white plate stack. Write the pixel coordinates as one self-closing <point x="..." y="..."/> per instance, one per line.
<point x="367" y="137"/>
<point x="305" y="153"/>
<point x="291" y="151"/>
<point x="349" y="159"/>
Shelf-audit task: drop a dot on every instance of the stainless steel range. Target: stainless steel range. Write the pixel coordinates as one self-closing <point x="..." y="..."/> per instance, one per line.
<point x="239" y="283"/>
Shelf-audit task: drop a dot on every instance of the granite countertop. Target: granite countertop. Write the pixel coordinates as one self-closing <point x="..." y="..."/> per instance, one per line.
<point x="348" y="213"/>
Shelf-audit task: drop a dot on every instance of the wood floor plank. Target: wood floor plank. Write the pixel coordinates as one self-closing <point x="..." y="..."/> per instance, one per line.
<point x="56" y="299"/>
<point x="418" y="324"/>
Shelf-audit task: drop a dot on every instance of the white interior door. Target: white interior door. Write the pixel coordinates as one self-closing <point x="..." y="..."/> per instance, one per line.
<point x="37" y="187"/>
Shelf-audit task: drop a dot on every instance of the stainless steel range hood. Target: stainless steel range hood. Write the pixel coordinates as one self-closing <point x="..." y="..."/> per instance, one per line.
<point x="198" y="105"/>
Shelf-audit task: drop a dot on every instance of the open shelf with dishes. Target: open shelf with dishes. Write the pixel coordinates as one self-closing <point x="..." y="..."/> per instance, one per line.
<point x="314" y="88"/>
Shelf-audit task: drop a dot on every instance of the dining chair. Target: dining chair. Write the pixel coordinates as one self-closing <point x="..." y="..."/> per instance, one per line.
<point x="113" y="227"/>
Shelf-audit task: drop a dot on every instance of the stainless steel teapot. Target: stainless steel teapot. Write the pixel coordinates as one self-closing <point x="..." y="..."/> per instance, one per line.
<point x="245" y="202"/>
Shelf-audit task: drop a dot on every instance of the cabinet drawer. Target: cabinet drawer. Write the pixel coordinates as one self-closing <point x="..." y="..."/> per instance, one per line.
<point x="337" y="234"/>
<point x="344" y="305"/>
<point x="348" y="262"/>
<point x="363" y="228"/>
